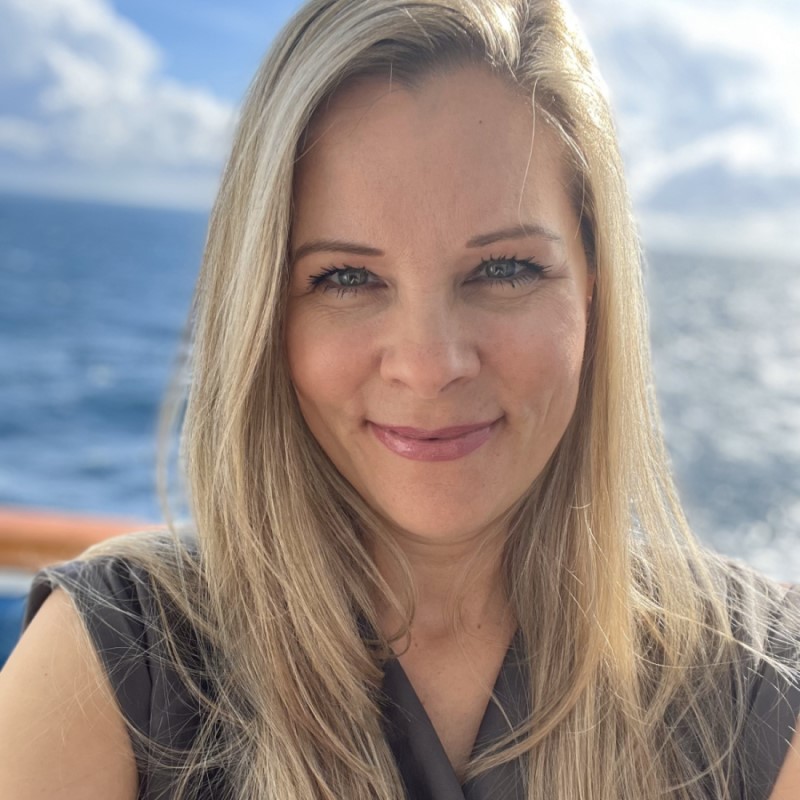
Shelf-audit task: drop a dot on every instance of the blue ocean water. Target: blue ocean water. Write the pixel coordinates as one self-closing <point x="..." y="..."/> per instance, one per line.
<point x="93" y="299"/>
<point x="726" y="350"/>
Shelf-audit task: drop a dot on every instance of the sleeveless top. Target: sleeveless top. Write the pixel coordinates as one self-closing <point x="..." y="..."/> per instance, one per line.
<point x="113" y="598"/>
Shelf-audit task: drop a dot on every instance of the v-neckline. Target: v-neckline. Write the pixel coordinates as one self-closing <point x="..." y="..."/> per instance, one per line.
<point x="420" y="755"/>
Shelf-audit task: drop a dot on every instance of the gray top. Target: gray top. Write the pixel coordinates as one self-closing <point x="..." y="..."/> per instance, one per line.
<point x="114" y="598"/>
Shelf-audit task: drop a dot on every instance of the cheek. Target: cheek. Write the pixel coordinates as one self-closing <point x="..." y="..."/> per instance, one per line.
<point x="543" y="357"/>
<point x="326" y="364"/>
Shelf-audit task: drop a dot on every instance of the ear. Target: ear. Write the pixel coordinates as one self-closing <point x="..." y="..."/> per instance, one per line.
<point x="590" y="281"/>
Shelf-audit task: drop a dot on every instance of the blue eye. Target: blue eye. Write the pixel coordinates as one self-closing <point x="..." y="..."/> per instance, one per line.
<point x="508" y="270"/>
<point x="342" y="280"/>
<point x="494" y="271"/>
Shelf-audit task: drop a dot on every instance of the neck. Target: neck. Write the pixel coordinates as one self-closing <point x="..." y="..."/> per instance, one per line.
<point x="459" y="586"/>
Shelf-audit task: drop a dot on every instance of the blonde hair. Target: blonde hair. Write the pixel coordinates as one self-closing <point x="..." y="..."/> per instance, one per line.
<point x="634" y="662"/>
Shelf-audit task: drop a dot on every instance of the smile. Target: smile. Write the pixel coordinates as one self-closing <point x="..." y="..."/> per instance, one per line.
<point x="443" y="444"/>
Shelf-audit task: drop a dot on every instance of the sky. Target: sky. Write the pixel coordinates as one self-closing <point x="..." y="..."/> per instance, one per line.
<point x="134" y="101"/>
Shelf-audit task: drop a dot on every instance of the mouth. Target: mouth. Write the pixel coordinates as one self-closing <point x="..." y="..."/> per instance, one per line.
<point x="440" y="444"/>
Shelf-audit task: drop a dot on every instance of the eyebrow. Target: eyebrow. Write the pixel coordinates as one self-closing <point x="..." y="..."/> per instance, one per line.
<point x="526" y="230"/>
<point x="522" y="231"/>
<point x="335" y="246"/>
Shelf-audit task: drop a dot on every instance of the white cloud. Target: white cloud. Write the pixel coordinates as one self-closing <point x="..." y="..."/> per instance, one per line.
<point x="20" y="136"/>
<point x="705" y="92"/>
<point x="707" y="99"/>
<point x="93" y="95"/>
<point x="660" y="56"/>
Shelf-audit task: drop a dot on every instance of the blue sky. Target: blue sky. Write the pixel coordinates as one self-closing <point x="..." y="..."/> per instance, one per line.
<point x="208" y="42"/>
<point x="133" y="101"/>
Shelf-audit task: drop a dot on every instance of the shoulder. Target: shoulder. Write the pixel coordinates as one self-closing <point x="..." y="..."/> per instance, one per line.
<point x="62" y="734"/>
<point x="137" y="600"/>
<point x="740" y="699"/>
<point x="770" y="739"/>
<point x="125" y="627"/>
<point x="787" y="787"/>
<point x="786" y="701"/>
<point x="121" y="587"/>
<point x="112" y="600"/>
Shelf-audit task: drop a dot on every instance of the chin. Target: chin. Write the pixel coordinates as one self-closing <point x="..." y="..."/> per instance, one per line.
<point x="444" y="524"/>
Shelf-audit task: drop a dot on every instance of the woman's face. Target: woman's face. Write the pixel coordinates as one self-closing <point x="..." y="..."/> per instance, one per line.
<point x="438" y="300"/>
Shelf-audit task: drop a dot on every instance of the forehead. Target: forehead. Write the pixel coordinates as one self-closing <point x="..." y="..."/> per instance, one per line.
<point x="459" y="152"/>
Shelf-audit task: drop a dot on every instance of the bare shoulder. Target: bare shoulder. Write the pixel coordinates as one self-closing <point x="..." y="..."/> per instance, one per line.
<point x="788" y="784"/>
<point x="61" y="732"/>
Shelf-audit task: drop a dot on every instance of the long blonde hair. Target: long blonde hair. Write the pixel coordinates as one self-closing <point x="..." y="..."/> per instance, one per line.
<point x="634" y="662"/>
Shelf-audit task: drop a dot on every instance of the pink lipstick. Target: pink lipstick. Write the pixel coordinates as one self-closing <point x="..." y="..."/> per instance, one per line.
<point x="443" y="444"/>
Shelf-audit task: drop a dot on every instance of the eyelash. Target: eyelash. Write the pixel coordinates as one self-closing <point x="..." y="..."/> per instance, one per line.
<point x="532" y="271"/>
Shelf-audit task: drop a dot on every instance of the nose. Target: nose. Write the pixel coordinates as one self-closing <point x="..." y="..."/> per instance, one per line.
<point x="428" y="347"/>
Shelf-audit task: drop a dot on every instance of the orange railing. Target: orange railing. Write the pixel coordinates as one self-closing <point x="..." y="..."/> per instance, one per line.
<point x="30" y="538"/>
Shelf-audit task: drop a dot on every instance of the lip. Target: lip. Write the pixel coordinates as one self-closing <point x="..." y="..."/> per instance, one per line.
<point x="440" y="444"/>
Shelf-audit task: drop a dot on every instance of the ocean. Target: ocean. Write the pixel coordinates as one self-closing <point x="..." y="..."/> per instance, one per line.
<point x="93" y="300"/>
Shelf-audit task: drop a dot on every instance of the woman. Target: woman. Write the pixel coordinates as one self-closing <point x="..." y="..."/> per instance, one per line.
<point x="438" y="553"/>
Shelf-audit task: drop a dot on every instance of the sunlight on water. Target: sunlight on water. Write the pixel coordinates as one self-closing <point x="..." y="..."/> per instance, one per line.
<point x="726" y="346"/>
